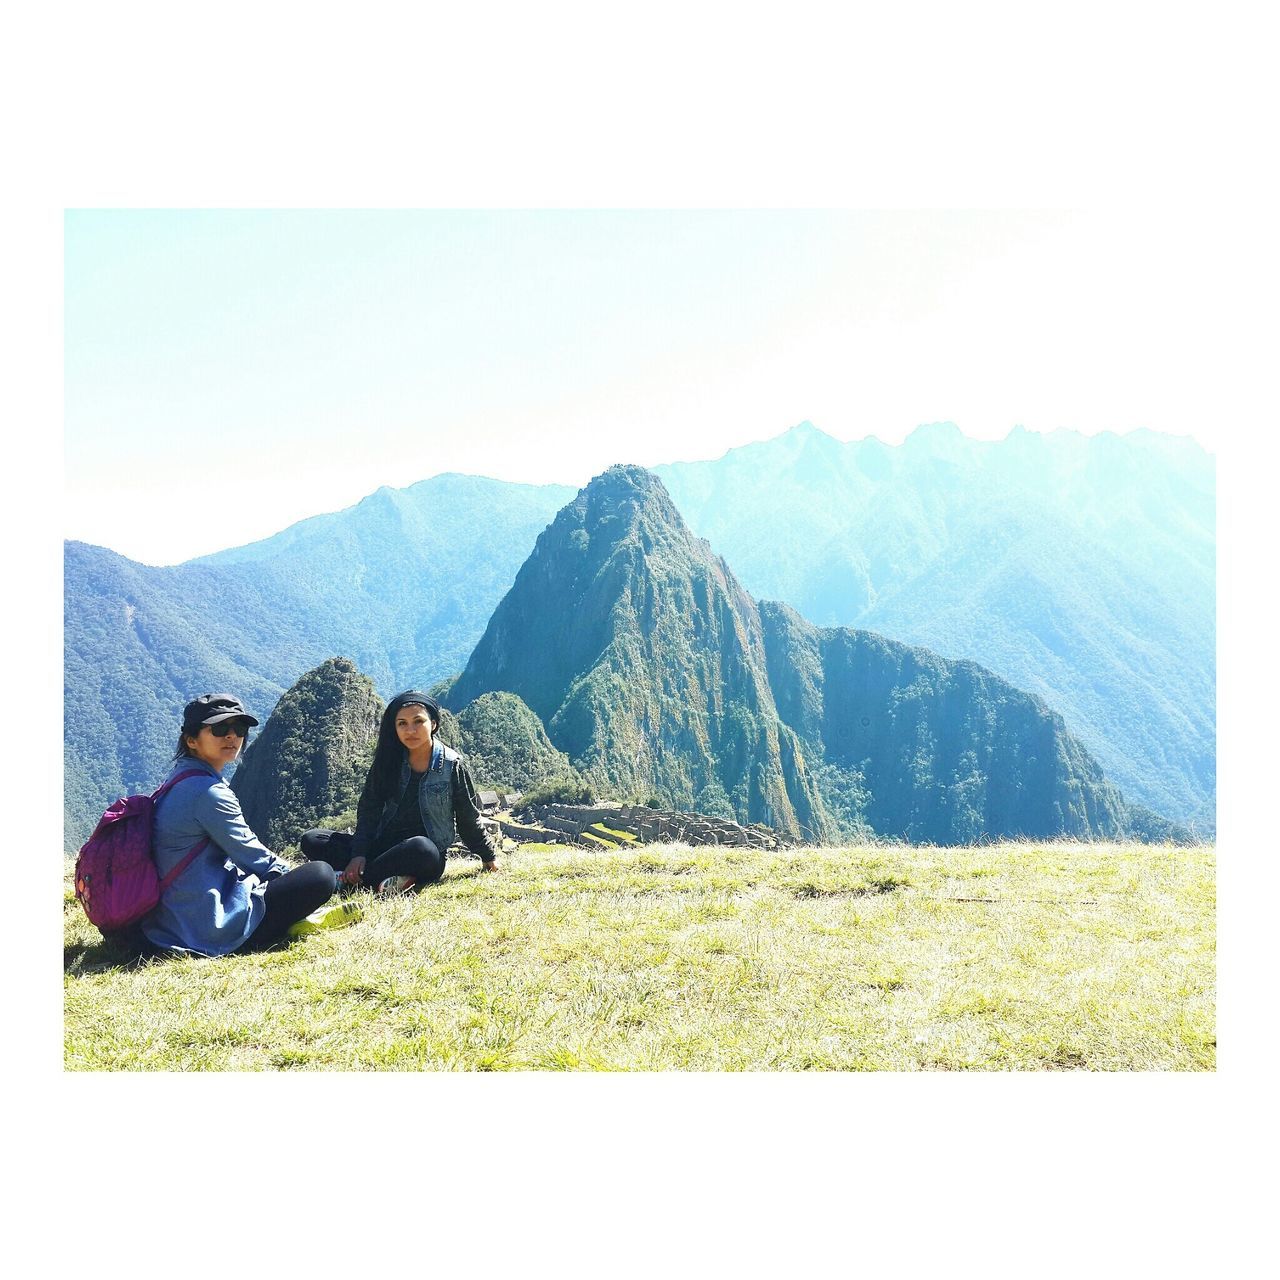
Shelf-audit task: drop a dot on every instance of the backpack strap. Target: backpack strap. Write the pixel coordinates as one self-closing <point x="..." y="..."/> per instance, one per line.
<point x="164" y="789"/>
<point x="159" y="795"/>
<point x="184" y="864"/>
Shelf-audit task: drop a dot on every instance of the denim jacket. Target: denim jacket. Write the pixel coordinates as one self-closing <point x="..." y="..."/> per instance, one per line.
<point x="446" y="800"/>
<point x="216" y="903"/>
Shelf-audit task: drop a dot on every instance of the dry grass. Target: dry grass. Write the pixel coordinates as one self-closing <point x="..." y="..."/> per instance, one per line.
<point x="1006" y="957"/>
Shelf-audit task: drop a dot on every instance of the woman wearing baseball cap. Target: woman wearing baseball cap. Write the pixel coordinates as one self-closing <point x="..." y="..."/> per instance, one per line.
<point x="234" y="894"/>
<point x="417" y="798"/>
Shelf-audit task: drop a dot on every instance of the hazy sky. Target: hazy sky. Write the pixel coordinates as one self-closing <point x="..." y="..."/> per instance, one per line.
<point x="273" y="365"/>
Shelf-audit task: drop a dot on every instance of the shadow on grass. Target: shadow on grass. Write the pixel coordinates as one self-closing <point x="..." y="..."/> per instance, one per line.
<point x="134" y="952"/>
<point x="125" y="952"/>
<point x="886" y="885"/>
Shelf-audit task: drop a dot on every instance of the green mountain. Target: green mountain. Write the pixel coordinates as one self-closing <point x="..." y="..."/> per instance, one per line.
<point x="1081" y="569"/>
<point x="403" y="582"/>
<point x="655" y="672"/>
<point x="930" y="750"/>
<point x="137" y="649"/>
<point x="504" y="743"/>
<point x="309" y="761"/>
<point x="643" y="657"/>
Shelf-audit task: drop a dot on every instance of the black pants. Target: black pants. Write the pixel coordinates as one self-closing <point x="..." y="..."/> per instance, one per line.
<point x="417" y="857"/>
<point x="288" y="899"/>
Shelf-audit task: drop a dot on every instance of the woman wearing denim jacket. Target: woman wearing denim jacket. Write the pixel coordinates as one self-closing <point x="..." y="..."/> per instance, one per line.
<point x="235" y="894"/>
<point x="417" y="798"/>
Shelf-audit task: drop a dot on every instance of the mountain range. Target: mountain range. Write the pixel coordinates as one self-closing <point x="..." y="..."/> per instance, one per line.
<point x="656" y="672"/>
<point x="402" y="583"/>
<point x="1079" y="569"/>
<point x="633" y="646"/>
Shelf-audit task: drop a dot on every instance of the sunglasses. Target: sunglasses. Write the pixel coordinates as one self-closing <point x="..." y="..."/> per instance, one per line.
<point x="238" y="727"/>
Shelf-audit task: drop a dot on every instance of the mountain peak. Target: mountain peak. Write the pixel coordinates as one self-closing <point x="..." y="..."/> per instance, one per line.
<point x="625" y="479"/>
<point x="934" y="432"/>
<point x="611" y="506"/>
<point x="643" y="657"/>
<point x="310" y="759"/>
<point x="626" y="472"/>
<point x="807" y="435"/>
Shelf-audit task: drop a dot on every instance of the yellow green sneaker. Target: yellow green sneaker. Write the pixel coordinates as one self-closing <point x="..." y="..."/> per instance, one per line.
<point x="333" y="915"/>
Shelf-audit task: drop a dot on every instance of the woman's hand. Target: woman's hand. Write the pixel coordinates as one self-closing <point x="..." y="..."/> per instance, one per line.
<point x="354" y="869"/>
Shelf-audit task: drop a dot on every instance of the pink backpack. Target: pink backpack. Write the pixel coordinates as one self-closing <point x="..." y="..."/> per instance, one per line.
<point x="116" y="877"/>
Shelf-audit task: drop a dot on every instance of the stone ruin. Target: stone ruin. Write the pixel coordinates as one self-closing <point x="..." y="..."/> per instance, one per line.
<point x="599" y="826"/>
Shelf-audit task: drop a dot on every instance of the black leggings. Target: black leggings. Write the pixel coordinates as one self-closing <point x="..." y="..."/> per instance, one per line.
<point x="417" y="857"/>
<point x="288" y="899"/>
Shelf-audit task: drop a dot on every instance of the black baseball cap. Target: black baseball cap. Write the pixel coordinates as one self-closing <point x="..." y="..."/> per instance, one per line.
<point x="213" y="708"/>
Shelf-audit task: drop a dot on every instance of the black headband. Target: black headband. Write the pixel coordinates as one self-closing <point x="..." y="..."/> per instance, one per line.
<point x="412" y="697"/>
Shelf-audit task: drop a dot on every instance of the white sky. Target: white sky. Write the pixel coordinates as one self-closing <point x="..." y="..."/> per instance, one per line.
<point x="300" y="360"/>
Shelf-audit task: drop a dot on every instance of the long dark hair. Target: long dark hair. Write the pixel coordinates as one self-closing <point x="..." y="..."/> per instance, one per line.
<point x="389" y="754"/>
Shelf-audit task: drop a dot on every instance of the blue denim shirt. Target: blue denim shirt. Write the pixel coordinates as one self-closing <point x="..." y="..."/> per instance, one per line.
<point x="216" y="903"/>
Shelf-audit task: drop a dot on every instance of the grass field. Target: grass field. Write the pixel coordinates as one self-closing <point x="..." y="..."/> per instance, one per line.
<point x="654" y="958"/>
